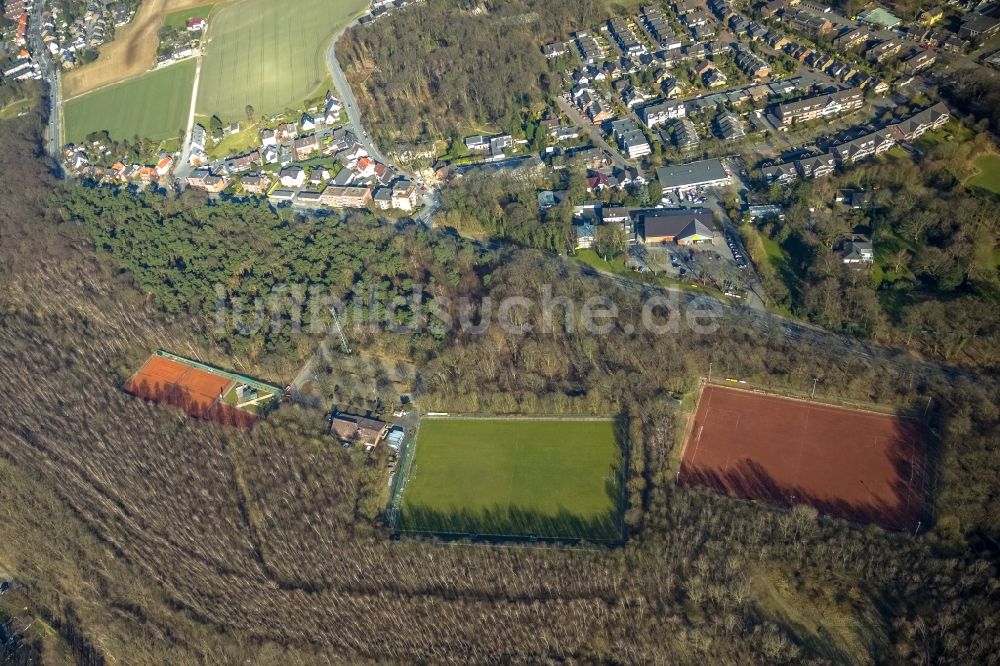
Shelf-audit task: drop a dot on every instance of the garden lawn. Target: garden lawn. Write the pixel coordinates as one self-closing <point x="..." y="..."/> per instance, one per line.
<point x="268" y="55"/>
<point x="515" y="477"/>
<point x="154" y="105"/>
<point x="988" y="177"/>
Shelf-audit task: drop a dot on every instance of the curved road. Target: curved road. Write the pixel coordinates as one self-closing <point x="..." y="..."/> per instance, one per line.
<point x="429" y="199"/>
<point x="348" y="100"/>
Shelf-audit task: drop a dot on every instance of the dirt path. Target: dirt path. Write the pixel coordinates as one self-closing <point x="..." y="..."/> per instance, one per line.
<point x="184" y="167"/>
<point x="132" y="52"/>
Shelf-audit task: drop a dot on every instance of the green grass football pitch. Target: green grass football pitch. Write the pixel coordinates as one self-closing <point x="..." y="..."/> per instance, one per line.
<point x="154" y="105"/>
<point x="269" y="55"/>
<point x="515" y="478"/>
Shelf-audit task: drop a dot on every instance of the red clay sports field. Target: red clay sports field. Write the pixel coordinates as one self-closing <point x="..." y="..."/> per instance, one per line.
<point x="862" y="466"/>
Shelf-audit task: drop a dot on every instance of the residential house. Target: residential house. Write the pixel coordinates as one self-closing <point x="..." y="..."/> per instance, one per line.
<point x="915" y="126"/>
<point x="197" y="138"/>
<point x="729" y="127"/>
<point x="292" y="176"/>
<point x="930" y="16"/>
<point x="319" y="174"/>
<point x="331" y="115"/>
<point x="590" y="49"/>
<point x="820" y="106"/>
<point x="245" y="162"/>
<point x="919" y="60"/>
<point x="404" y="195"/>
<point x="365" y="168"/>
<point x="555" y="50"/>
<point x="884" y="50"/>
<point x="268" y="137"/>
<point x="255" y="183"/>
<point x="203" y="179"/>
<point x="685" y="7"/>
<point x="630" y="138"/>
<point x="286" y="132"/>
<point x="499" y="144"/>
<point x="343" y="178"/>
<point x="477" y="143"/>
<point x="858" y="252"/>
<point x="816" y="166"/>
<point x="704" y="67"/>
<point x="382" y="198"/>
<point x="615" y="215"/>
<point x="851" y="37"/>
<point x="599" y="111"/>
<point x="565" y="132"/>
<point x="856" y="199"/>
<point x="551" y="198"/>
<point x="163" y="166"/>
<point x="307" y="123"/>
<point x="807" y="22"/>
<point x="685" y="134"/>
<point x="658" y="113"/>
<point x="351" y="430"/>
<point x="751" y="65"/>
<point x="715" y="78"/>
<point x="346" y="197"/>
<point x="304" y="147"/>
<point x="671" y="87"/>
<point x="632" y="97"/>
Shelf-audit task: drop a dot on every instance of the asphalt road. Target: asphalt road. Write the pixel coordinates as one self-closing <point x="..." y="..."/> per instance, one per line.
<point x="595" y="132"/>
<point x="349" y="102"/>
<point x="53" y="82"/>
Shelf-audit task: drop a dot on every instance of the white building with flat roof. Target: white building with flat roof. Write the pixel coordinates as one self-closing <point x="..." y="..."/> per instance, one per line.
<point x="683" y="177"/>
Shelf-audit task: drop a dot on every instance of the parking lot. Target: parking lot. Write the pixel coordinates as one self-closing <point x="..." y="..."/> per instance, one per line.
<point x="710" y="264"/>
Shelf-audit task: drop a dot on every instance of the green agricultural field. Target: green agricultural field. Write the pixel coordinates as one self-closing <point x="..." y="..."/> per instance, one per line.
<point x="518" y="478"/>
<point x="154" y="105"/>
<point x="179" y="19"/>
<point x="269" y="55"/>
<point x="988" y="177"/>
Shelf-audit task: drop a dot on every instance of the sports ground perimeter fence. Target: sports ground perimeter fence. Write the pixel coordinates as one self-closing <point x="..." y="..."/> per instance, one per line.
<point x="404" y="470"/>
<point x="916" y="413"/>
<point x="785" y="391"/>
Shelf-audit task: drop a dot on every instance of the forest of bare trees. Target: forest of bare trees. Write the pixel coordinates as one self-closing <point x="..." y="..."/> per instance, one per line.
<point x="454" y="65"/>
<point x="149" y="537"/>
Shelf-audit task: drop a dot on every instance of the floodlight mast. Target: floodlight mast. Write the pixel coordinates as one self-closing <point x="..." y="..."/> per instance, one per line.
<point x="340" y="331"/>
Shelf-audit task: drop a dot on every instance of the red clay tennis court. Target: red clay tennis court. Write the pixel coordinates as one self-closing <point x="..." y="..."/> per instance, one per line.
<point x="195" y="391"/>
<point x="862" y="466"/>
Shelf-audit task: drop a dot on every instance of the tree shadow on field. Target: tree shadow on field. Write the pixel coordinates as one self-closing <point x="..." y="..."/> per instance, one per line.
<point x="749" y="480"/>
<point x="509" y="523"/>
<point x="197" y="406"/>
